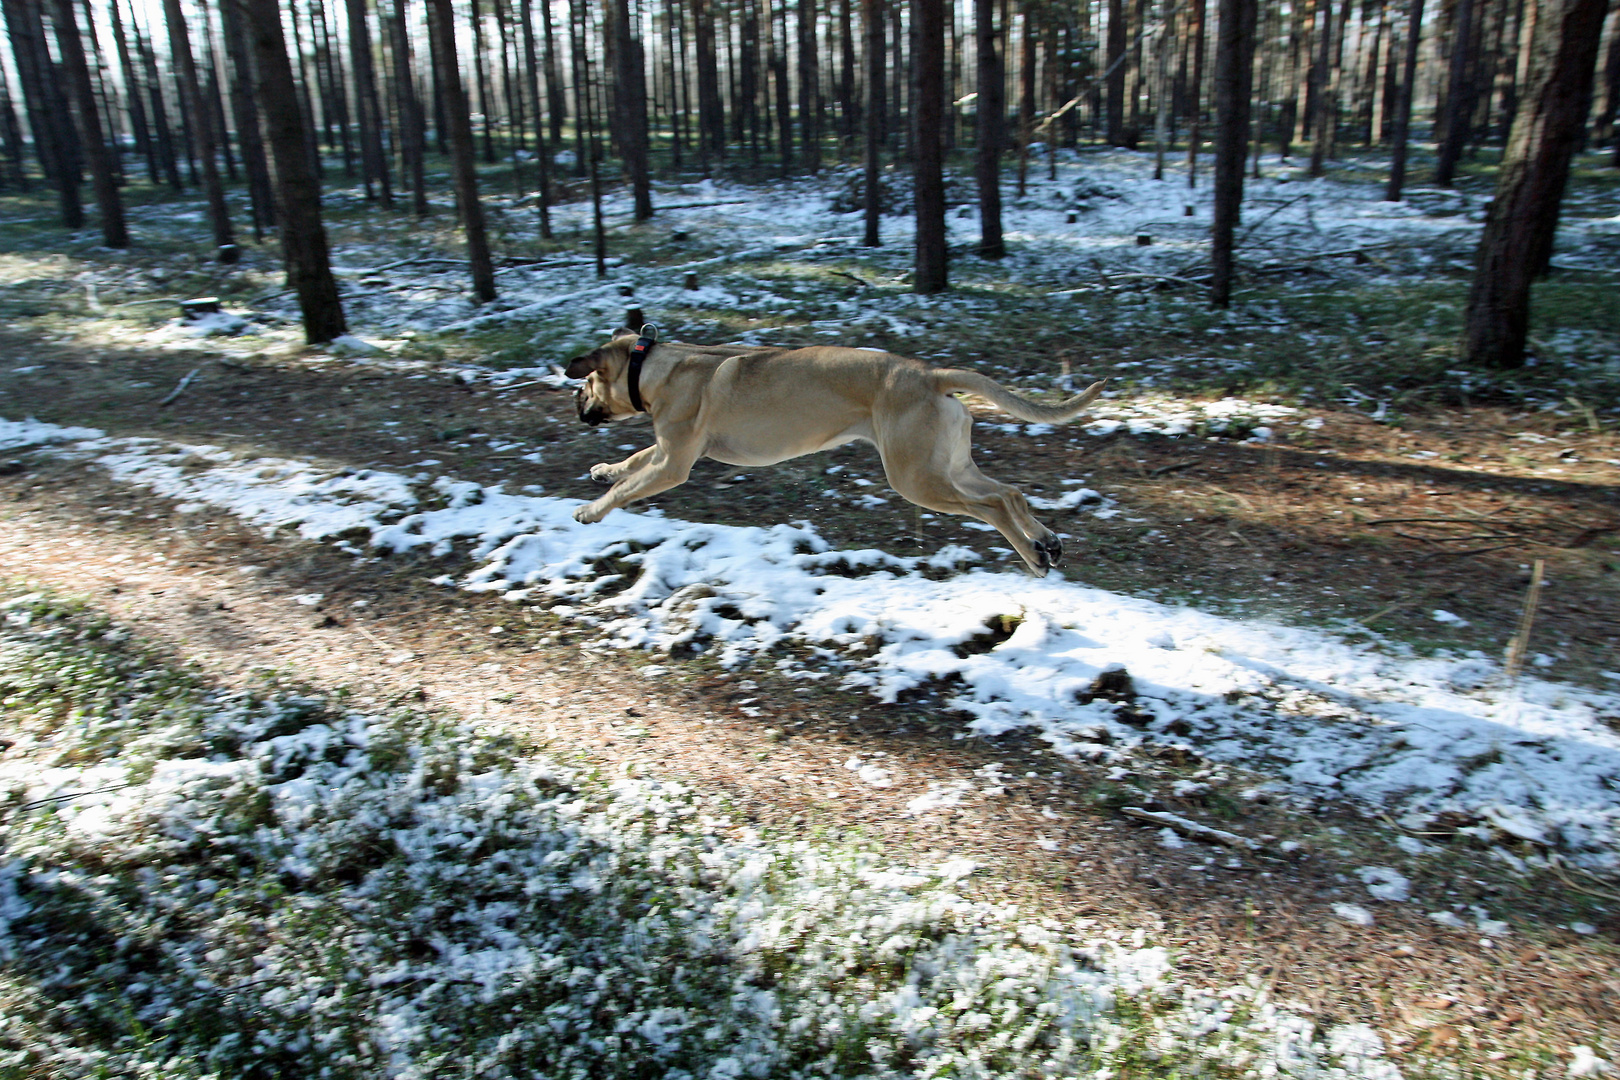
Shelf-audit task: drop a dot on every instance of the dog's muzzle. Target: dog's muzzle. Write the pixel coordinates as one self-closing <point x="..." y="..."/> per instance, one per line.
<point x="590" y="412"/>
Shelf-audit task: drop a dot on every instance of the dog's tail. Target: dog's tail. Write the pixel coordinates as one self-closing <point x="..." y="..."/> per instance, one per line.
<point x="958" y="380"/>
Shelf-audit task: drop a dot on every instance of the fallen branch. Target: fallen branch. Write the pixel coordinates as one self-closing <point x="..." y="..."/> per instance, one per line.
<point x="1191" y="829"/>
<point x="177" y="391"/>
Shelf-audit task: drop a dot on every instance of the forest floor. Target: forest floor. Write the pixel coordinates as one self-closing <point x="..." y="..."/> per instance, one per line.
<point x="1308" y="466"/>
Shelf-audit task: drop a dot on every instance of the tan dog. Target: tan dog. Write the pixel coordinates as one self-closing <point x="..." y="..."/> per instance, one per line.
<point x="759" y="406"/>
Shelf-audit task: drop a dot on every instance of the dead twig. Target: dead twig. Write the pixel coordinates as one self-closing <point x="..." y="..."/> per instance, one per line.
<point x="1175" y="466"/>
<point x="1192" y="829"/>
<point x="177" y="391"/>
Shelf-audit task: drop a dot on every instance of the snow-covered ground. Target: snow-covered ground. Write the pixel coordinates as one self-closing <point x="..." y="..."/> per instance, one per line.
<point x="1310" y="715"/>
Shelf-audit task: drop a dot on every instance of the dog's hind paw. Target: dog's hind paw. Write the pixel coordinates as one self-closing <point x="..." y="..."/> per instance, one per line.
<point x="1051" y="551"/>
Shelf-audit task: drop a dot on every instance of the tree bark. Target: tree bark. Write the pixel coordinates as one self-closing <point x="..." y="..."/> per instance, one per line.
<point x="1117" y="43"/>
<point x="1403" y="105"/>
<point x="303" y="237"/>
<point x="244" y="92"/>
<point x="991" y="117"/>
<point x="1195" y="101"/>
<point x="932" y="274"/>
<point x="373" y="163"/>
<point x="556" y="99"/>
<point x="872" y="27"/>
<point x="542" y="153"/>
<point x="809" y="87"/>
<point x="413" y="130"/>
<point x="711" y="112"/>
<point x="441" y="19"/>
<point x="203" y="125"/>
<point x="144" y="144"/>
<point x="114" y="233"/>
<point x="632" y="102"/>
<point x="1234" y="74"/>
<point x="1519" y="227"/>
<point x="1459" y="99"/>
<point x="849" y="106"/>
<point x="43" y="101"/>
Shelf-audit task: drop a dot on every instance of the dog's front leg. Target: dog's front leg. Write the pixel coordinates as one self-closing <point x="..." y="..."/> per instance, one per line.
<point x="662" y="470"/>
<point x="606" y="473"/>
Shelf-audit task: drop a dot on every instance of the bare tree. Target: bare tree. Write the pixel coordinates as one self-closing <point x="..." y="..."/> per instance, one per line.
<point x="373" y="162"/>
<point x="1459" y="95"/>
<point x="872" y="27"/>
<point x="114" y="233"/>
<point x="413" y="129"/>
<point x="932" y="271"/>
<point x="303" y="237"/>
<point x="1518" y="239"/>
<point x="1234" y="75"/>
<point x="809" y="87"/>
<point x="42" y="97"/>
<point x="1403" y="103"/>
<point x="441" y="25"/>
<point x="632" y="102"/>
<point x="989" y="122"/>
<point x="202" y="123"/>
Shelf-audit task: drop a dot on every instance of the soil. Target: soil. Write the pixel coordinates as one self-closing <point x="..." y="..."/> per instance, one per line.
<point x="1353" y="522"/>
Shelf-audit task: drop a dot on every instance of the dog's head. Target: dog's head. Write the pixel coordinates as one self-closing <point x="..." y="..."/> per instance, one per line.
<point x="604" y="395"/>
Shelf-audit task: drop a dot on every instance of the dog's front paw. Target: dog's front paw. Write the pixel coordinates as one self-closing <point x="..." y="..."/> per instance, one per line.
<point x="589" y="514"/>
<point x="604" y="473"/>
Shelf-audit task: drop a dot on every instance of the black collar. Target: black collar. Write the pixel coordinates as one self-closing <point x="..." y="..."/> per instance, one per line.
<point x="638" y="354"/>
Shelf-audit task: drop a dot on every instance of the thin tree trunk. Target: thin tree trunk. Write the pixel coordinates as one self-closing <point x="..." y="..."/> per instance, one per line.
<point x="214" y="95"/>
<point x="632" y="101"/>
<point x="1459" y="100"/>
<point x="784" y="92"/>
<point x="413" y="133"/>
<point x="872" y="27"/>
<point x="849" y="106"/>
<point x="373" y="161"/>
<point x="1117" y="44"/>
<point x="303" y="237"/>
<point x="1519" y="227"/>
<point x="556" y="98"/>
<point x="1234" y="73"/>
<point x="928" y="20"/>
<point x="991" y="116"/>
<point x="1163" y="40"/>
<point x="542" y="155"/>
<point x="114" y="233"/>
<point x="481" y="78"/>
<point x="441" y="24"/>
<point x="336" y="95"/>
<point x="144" y="144"/>
<point x="42" y="101"/>
<point x="1324" y="97"/>
<point x="809" y="87"/>
<point x="11" y="132"/>
<point x="1196" y="90"/>
<point x="202" y="122"/>
<point x="244" y="92"/>
<point x="164" y="135"/>
<point x="711" y="112"/>
<point x="1403" y="105"/>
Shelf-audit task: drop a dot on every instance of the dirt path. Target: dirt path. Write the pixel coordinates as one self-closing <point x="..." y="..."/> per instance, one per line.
<point x="238" y="604"/>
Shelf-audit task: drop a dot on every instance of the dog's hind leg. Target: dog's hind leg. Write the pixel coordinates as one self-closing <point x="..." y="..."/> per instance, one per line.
<point x="927" y="458"/>
<point x="606" y="473"/>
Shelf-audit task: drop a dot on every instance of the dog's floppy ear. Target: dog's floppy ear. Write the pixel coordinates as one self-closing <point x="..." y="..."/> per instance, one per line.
<point x="581" y="366"/>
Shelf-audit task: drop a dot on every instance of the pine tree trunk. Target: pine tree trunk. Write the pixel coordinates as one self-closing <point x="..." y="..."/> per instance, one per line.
<point x="11" y="134"/>
<point x="1195" y="101"/>
<point x="162" y="133"/>
<point x="303" y="237"/>
<point x="809" y="87"/>
<point x="42" y="100"/>
<point x="928" y="21"/>
<point x="632" y="101"/>
<point x="1458" y="99"/>
<point x="335" y="95"/>
<point x="849" y="106"/>
<point x="1117" y="44"/>
<point x="542" y="154"/>
<point x="214" y="95"/>
<point x="244" y="92"/>
<point x="784" y="93"/>
<point x="991" y="116"/>
<point x="70" y="44"/>
<point x="872" y="27"/>
<point x="556" y="99"/>
<point x="441" y="24"/>
<point x="202" y="123"/>
<point x="373" y="162"/>
<point x="711" y="112"/>
<point x="132" y="87"/>
<point x="1517" y="243"/>
<point x="413" y="133"/>
<point x="1234" y="68"/>
<point x="1403" y="105"/>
